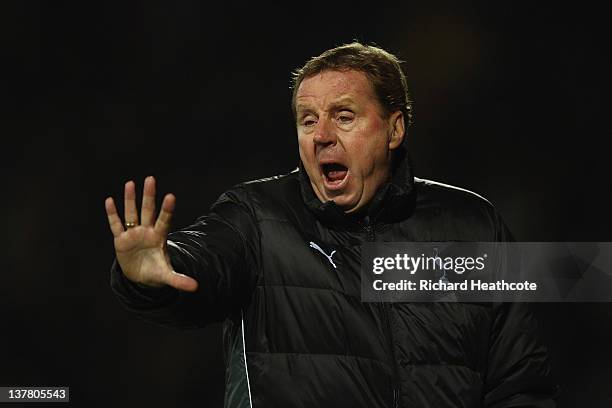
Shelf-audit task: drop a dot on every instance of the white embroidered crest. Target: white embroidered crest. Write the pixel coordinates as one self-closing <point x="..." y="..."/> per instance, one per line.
<point x="329" y="257"/>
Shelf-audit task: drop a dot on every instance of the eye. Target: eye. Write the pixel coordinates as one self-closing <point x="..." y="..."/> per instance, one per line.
<point x="308" y="121"/>
<point x="345" y="117"/>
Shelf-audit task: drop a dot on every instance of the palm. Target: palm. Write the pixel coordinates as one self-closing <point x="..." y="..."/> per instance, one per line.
<point x="141" y="249"/>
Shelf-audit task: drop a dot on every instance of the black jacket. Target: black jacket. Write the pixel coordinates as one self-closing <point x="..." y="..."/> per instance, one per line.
<point x="295" y="329"/>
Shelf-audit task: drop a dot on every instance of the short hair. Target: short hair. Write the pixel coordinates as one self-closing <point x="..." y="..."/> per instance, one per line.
<point x="382" y="69"/>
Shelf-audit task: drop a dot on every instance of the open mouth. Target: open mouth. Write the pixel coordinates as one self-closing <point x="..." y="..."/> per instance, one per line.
<point x="335" y="175"/>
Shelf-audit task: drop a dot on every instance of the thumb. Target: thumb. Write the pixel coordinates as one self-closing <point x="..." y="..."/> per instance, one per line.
<point x="181" y="282"/>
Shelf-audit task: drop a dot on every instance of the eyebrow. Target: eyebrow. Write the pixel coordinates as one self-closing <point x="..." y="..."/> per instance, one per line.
<point x="335" y="105"/>
<point x="345" y="100"/>
<point x="342" y="102"/>
<point x="301" y="107"/>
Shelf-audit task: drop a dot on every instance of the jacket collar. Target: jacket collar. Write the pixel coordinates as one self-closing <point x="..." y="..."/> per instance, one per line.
<point x="392" y="202"/>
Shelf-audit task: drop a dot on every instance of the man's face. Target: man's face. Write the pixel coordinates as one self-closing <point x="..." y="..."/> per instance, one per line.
<point x="345" y="141"/>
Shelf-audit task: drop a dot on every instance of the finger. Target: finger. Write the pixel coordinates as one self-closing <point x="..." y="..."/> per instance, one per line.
<point x="129" y="200"/>
<point x="181" y="282"/>
<point x="162" y="225"/>
<point x="147" y="214"/>
<point x="114" y="221"/>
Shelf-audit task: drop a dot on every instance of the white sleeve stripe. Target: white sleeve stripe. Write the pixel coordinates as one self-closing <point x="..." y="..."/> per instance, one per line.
<point x="246" y="369"/>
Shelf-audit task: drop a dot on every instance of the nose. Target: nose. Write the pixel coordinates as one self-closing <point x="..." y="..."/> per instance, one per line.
<point x="324" y="133"/>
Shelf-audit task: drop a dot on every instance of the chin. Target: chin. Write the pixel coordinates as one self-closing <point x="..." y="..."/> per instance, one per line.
<point x="347" y="204"/>
<point x="345" y="200"/>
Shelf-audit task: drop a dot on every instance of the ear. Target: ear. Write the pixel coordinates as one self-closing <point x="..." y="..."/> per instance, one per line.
<point x="396" y="129"/>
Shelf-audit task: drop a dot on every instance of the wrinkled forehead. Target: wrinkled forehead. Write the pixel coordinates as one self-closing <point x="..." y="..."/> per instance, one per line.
<point x="328" y="86"/>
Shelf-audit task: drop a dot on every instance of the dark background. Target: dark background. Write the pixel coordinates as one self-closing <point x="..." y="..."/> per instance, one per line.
<point x="510" y="101"/>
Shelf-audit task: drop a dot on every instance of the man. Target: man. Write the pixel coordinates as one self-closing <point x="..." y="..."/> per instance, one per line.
<point x="277" y="260"/>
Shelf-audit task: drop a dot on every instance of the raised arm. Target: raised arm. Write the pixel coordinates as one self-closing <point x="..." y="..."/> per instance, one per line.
<point x="190" y="277"/>
<point x="140" y="247"/>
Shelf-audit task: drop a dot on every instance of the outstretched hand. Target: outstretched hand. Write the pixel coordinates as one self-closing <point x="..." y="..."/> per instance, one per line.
<point x="140" y="247"/>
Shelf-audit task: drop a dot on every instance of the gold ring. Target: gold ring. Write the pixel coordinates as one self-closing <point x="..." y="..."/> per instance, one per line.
<point x="130" y="225"/>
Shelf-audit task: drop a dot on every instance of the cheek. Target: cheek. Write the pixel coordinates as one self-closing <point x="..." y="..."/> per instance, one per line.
<point x="307" y="155"/>
<point x="368" y="148"/>
<point x="305" y="146"/>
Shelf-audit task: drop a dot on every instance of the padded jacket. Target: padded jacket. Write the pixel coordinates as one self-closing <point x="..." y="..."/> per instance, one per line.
<point x="296" y="332"/>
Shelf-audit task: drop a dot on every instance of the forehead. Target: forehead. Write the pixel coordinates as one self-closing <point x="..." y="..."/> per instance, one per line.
<point x="328" y="86"/>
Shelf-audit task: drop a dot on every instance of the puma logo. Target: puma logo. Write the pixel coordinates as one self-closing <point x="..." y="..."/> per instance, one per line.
<point x="329" y="257"/>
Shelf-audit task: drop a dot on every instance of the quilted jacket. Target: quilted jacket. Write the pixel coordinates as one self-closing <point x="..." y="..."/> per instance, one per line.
<point x="281" y="270"/>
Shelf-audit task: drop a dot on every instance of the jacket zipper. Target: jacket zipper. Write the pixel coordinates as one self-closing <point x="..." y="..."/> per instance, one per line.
<point x="371" y="237"/>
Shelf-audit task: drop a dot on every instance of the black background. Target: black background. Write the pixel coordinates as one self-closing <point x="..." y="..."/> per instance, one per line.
<point x="510" y="102"/>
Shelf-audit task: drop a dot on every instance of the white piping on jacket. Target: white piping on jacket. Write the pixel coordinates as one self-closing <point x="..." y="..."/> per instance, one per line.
<point x="246" y="369"/>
